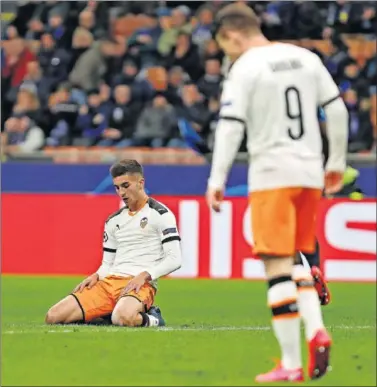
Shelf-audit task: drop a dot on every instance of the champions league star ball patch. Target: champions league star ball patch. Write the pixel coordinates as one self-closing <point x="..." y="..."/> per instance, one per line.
<point x="143" y="222"/>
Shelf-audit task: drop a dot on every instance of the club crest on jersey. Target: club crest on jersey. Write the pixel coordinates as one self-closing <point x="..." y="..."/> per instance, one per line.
<point x="143" y="222"/>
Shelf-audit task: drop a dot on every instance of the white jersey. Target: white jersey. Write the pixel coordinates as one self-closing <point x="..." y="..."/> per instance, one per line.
<point x="275" y="91"/>
<point x="145" y="241"/>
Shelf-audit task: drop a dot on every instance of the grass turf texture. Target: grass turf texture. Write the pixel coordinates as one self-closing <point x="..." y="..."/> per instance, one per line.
<point x="218" y="334"/>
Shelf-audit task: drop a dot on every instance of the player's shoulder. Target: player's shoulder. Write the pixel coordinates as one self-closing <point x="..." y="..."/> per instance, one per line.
<point x="115" y="214"/>
<point x="242" y="66"/>
<point x="282" y="51"/>
<point x="157" y="207"/>
<point x="255" y="60"/>
<point x="305" y="54"/>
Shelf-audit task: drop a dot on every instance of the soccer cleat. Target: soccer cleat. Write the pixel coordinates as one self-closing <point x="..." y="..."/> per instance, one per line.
<point x="155" y="311"/>
<point x="319" y="354"/>
<point x="279" y="374"/>
<point x="321" y="286"/>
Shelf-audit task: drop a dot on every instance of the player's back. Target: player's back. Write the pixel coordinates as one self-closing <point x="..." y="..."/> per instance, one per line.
<point x="282" y="124"/>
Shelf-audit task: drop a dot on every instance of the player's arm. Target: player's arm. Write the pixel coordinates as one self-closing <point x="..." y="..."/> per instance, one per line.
<point x="109" y="250"/>
<point x="230" y="129"/>
<point x="336" y="119"/>
<point x="171" y="244"/>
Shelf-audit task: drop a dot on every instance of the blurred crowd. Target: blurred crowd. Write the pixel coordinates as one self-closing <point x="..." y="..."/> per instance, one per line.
<point x="123" y="74"/>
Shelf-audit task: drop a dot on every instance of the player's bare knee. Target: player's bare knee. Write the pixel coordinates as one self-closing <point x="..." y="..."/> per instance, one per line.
<point x="277" y="266"/>
<point x="124" y="318"/>
<point x="53" y="316"/>
<point x="64" y="312"/>
<point x="126" y="312"/>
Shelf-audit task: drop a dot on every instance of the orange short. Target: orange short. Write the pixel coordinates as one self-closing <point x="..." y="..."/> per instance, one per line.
<point x="101" y="299"/>
<point x="283" y="220"/>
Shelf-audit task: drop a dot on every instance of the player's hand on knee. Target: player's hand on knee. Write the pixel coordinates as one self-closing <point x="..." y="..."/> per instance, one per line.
<point x="135" y="284"/>
<point x="214" y="198"/>
<point x="88" y="282"/>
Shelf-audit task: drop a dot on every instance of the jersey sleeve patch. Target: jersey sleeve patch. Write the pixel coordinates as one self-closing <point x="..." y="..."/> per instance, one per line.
<point x="171" y="230"/>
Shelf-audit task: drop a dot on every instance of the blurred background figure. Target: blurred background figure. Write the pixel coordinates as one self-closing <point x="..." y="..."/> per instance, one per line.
<point x="157" y="48"/>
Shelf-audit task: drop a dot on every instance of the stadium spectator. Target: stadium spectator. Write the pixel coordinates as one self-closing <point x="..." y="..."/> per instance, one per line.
<point x="369" y="71"/>
<point x="193" y="110"/>
<point x="156" y="125"/>
<point x="351" y="75"/>
<point x="61" y="117"/>
<point x="209" y="83"/>
<point x="59" y="31"/>
<point x="172" y="24"/>
<point x="21" y="135"/>
<point x="338" y="59"/>
<point x="87" y="21"/>
<point x="11" y="33"/>
<point x="93" y="117"/>
<point x="176" y="79"/>
<point x="100" y="10"/>
<point x="17" y="56"/>
<point x="369" y="18"/>
<point x="105" y="96"/>
<point x="342" y="17"/>
<point x="91" y="65"/>
<point x="27" y="103"/>
<point x="54" y="61"/>
<point x="82" y="40"/>
<point x="141" y="89"/>
<point x="211" y="50"/>
<point x="361" y="134"/>
<point x="186" y="55"/>
<point x="202" y="32"/>
<point x="209" y="127"/>
<point x="36" y="82"/>
<point x="271" y="18"/>
<point x="49" y="16"/>
<point x="122" y="119"/>
<point x="309" y="20"/>
<point x="143" y="43"/>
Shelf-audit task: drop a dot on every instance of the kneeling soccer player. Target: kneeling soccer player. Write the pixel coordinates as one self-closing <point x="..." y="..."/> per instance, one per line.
<point x="141" y="244"/>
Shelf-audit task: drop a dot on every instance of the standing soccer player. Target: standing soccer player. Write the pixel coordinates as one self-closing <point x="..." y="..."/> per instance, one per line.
<point x="274" y="91"/>
<point x="141" y="243"/>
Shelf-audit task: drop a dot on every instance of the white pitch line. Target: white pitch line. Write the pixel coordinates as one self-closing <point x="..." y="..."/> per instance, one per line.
<point x="173" y="329"/>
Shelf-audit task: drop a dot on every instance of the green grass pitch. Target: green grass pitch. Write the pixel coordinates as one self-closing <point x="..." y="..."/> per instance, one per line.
<point x="218" y="334"/>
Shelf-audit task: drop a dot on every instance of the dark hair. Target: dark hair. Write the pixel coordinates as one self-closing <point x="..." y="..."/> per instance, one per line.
<point x="126" y="167"/>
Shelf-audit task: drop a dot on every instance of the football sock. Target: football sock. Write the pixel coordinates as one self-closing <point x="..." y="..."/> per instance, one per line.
<point x="282" y="299"/>
<point x="309" y="305"/>
<point x="148" y="320"/>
